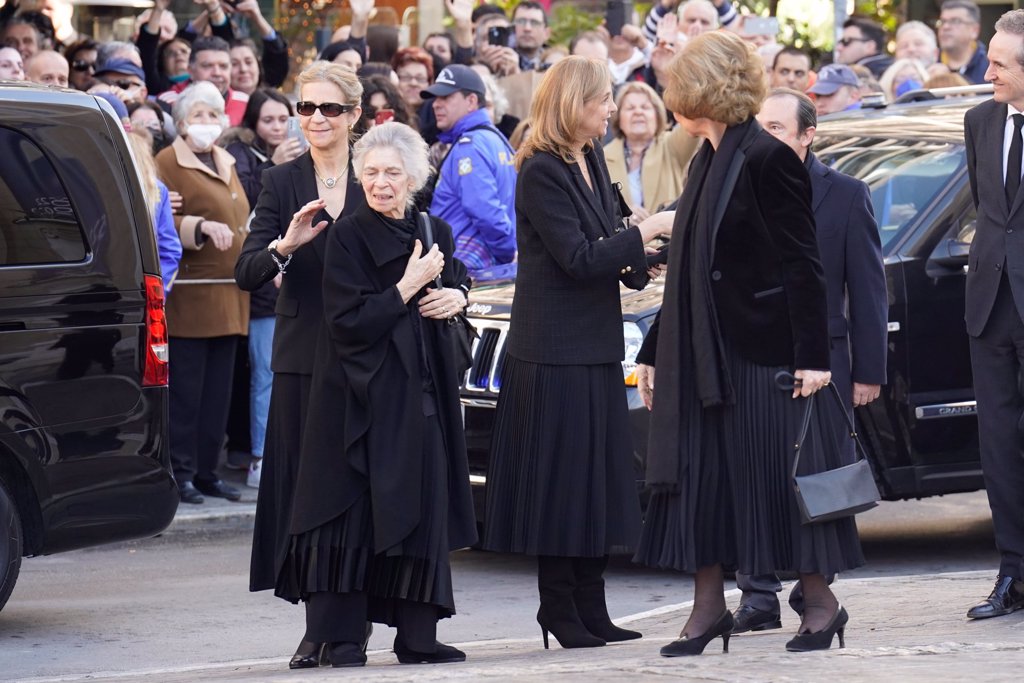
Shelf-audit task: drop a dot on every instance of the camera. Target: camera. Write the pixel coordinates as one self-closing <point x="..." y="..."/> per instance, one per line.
<point x="500" y="36"/>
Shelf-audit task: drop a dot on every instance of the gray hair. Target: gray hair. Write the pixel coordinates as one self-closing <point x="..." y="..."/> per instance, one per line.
<point x="706" y="3"/>
<point x="495" y="95"/>
<point x="970" y="7"/>
<point x="115" y="48"/>
<point x="919" y="26"/>
<point x="1013" y="23"/>
<point x="202" y="92"/>
<point x="410" y="147"/>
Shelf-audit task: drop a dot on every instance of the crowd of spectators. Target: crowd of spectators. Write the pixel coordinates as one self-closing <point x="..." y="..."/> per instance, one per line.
<point x="466" y="90"/>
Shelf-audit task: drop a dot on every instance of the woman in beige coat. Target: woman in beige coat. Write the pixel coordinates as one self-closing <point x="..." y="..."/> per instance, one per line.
<point x="206" y="310"/>
<point x="647" y="158"/>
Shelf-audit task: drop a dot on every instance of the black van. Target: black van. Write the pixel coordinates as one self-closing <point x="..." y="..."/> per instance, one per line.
<point x="83" y="344"/>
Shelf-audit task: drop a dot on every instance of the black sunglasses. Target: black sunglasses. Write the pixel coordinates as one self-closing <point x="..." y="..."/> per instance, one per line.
<point x="82" y="65"/>
<point x="328" y="109"/>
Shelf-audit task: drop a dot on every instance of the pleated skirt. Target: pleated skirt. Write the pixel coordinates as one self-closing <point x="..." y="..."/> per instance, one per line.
<point x="561" y="478"/>
<point x="286" y="421"/>
<point x="736" y="505"/>
<point x="339" y="556"/>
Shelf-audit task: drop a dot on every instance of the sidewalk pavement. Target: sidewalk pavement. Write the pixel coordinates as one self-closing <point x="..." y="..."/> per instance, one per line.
<point x="217" y="511"/>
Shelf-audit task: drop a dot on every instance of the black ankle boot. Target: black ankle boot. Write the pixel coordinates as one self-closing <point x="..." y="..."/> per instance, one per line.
<point x="590" y="601"/>
<point x="343" y="655"/>
<point x="308" y="655"/>
<point x="557" y="614"/>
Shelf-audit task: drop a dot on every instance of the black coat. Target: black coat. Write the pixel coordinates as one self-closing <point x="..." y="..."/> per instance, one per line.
<point x="766" y="276"/>
<point x="286" y="189"/>
<point x="363" y="432"/>
<point x="851" y="255"/>
<point x="998" y="243"/>
<point x="573" y="253"/>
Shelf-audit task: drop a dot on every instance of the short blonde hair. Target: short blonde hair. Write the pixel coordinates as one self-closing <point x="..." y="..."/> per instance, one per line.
<point x="716" y="76"/>
<point x="335" y="74"/>
<point x="640" y="88"/>
<point x="411" y="148"/>
<point x="557" y="104"/>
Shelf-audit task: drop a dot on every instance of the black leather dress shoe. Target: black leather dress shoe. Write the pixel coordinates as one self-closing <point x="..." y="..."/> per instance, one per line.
<point x="188" y="493"/>
<point x="442" y="654"/>
<point x="749" y="618"/>
<point x="218" y="489"/>
<point x="1006" y="597"/>
<point x="344" y="655"/>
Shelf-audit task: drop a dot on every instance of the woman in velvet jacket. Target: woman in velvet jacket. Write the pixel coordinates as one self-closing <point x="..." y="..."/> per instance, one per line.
<point x="744" y="300"/>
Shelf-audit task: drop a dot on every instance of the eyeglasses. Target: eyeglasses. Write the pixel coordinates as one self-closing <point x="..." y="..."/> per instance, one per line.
<point x="847" y="42"/>
<point x="81" y="65"/>
<point x="409" y="78"/>
<point x="953" y="22"/>
<point x="328" y="109"/>
<point x="531" y="23"/>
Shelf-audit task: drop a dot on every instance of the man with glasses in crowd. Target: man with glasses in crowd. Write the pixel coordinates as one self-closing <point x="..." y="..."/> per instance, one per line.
<point x="958" y="27"/>
<point x="532" y="32"/>
<point x="863" y="42"/>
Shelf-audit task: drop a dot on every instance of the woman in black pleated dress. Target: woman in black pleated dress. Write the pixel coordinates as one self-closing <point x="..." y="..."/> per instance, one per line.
<point x="561" y="483"/>
<point x="744" y="300"/>
<point x="382" y="493"/>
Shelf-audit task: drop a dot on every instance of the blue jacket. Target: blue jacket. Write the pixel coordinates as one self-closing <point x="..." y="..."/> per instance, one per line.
<point x="475" y="193"/>
<point x="168" y="245"/>
<point x="974" y="70"/>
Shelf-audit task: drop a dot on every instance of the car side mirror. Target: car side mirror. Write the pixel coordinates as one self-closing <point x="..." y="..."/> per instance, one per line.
<point x="950" y="253"/>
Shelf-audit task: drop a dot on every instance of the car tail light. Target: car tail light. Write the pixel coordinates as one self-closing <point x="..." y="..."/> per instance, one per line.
<point x="154" y="373"/>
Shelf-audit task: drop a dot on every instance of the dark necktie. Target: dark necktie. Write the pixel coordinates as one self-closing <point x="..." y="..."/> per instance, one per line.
<point x="1013" y="160"/>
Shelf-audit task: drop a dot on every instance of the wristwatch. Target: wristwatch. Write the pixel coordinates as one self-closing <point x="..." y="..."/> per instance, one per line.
<point x="281" y="261"/>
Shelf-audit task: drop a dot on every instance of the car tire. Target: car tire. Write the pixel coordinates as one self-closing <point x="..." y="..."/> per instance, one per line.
<point x="10" y="544"/>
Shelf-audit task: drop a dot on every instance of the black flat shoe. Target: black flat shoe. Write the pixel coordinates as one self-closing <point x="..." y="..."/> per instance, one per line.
<point x="687" y="646"/>
<point x="344" y="655"/>
<point x="218" y="489"/>
<point x="442" y="654"/>
<point x="308" y="655"/>
<point x="821" y="640"/>
<point x="747" y="618"/>
<point x="1007" y="597"/>
<point x="188" y="493"/>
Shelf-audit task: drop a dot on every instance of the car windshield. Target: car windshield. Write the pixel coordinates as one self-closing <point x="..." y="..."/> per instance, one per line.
<point x="905" y="177"/>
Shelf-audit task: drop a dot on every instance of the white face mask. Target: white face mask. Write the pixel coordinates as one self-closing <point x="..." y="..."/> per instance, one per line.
<point x="203" y="135"/>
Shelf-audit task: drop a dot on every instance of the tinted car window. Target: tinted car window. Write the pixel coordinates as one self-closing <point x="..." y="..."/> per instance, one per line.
<point x="37" y="223"/>
<point x="904" y="177"/>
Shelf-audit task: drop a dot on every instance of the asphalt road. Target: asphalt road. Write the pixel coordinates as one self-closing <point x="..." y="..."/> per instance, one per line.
<point x="179" y="603"/>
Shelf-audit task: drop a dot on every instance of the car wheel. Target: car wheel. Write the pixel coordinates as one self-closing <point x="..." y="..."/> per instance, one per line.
<point x="10" y="544"/>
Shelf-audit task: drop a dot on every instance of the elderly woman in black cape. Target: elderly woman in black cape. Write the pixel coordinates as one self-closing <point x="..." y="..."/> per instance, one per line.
<point x="383" y="494"/>
<point x="744" y="300"/>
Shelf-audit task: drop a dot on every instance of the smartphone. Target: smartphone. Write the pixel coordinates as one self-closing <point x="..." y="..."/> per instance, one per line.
<point x="760" y="26"/>
<point x="383" y="116"/>
<point x="617" y="15"/>
<point x="499" y="35"/>
<point x="293" y="131"/>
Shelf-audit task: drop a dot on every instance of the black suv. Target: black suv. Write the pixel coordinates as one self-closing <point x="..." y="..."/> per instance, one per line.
<point x="921" y="435"/>
<point x="83" y="347"/>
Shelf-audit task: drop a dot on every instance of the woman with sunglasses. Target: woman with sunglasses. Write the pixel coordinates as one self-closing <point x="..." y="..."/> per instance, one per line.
<point x="328" y="107"/>
<point x="81" y="58"/>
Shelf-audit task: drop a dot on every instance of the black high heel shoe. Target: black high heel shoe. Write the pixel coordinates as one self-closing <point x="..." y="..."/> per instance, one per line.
<point x="308" y="655"/>
<point x="568" y="630"/>
<point x="821" y="640"/>
<point x="687" y="646"/>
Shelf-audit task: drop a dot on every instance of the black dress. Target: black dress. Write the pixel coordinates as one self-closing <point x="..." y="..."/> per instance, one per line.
<point x="382" y="493"/>
<point x="561" y="479"/>
<point x="722" y="432"/>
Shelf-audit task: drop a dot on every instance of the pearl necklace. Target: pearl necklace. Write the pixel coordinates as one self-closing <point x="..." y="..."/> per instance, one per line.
<point x="329" y="183"/>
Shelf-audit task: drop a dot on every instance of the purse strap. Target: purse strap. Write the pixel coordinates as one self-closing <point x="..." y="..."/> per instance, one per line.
<point x="805" y="425"/>
<point x="428" y="239"/>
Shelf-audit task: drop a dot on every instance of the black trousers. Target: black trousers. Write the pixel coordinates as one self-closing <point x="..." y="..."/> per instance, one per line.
<point x="997" y="356"/>
<point x="341" y="618"/>
<point x="200" y="394"/>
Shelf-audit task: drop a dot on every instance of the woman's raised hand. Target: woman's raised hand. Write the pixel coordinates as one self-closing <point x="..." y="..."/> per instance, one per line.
<point x="301" y="229"/>
<point x="420" y="270"/>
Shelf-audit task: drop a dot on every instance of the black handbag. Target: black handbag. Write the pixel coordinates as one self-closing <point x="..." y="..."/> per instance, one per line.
<point x="462" y="331"/>
<point x="832" y="494"/>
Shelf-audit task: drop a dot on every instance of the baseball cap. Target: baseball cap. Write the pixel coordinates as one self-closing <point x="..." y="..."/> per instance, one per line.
<point x="832" y="77"/>
<point x="119" y="65"/>
<point x="453" y="78"/>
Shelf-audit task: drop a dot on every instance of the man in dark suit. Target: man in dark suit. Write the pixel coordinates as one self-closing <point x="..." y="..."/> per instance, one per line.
<point x="995" y="304"/>
<point x="851" y="256"/>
